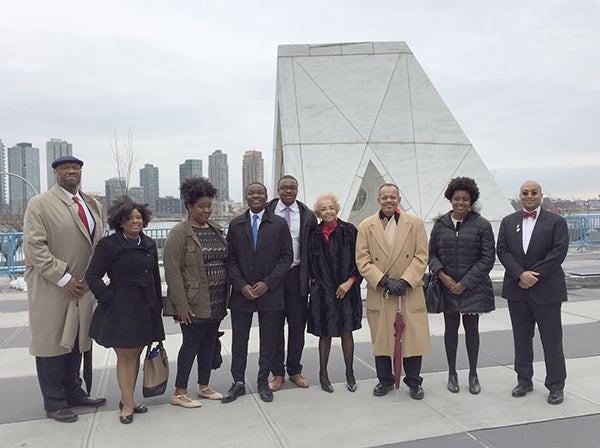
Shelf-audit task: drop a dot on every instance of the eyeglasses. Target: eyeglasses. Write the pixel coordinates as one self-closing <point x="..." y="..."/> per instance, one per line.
<point x="288" y="188"/>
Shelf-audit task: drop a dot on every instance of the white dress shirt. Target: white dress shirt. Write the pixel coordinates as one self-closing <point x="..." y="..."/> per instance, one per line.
<point x="294" y="227"/>
<point x="528" y="226"/>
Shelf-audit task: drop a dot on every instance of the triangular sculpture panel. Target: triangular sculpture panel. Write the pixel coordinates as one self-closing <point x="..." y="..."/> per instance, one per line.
<point x="350" y="117"/>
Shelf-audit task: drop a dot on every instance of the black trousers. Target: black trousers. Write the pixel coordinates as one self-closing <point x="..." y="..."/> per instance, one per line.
<point x="412" y="370"/>
<point x="60" y="380"/>
<point x="296" y="314"/>
<point x="524" y="314"/>
<point x="270" y="328"/>
<point x="199" y="340"/>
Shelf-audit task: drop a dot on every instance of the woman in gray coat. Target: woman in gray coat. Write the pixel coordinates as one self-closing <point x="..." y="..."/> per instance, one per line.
<point x="461" y="253"/>
<point x="195" y="270"/>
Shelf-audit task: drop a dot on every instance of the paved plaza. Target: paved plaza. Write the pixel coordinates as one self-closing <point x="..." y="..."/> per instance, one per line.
<point x="311" y="417"/>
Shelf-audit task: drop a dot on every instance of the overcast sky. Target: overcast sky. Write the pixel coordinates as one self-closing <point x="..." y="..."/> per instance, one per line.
<point x="188" y="77"/>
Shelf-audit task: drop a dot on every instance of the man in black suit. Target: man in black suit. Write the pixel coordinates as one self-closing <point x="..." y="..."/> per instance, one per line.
<point x="301" y="222"/>
<point x="259" y="256"/>
<point x="532" y="245"/>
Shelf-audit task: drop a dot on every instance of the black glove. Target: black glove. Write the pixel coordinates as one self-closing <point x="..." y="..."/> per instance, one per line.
<point x="395" y="287"/>
<point x="385" y="282"/>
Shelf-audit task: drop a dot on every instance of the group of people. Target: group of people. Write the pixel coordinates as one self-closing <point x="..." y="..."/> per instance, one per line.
<point x="277" y="260"/>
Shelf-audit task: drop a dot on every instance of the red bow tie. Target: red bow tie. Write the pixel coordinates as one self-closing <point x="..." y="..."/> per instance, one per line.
<point x="532" y="214"/>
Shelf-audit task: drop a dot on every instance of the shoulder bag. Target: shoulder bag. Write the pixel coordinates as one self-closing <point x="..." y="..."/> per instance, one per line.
<point x="156" y="371"/>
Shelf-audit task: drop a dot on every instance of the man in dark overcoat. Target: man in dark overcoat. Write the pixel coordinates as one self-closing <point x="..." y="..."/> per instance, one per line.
<point x="532" y="244"/>
<point x="301" y="222"/>
<point x="259" y="256"/>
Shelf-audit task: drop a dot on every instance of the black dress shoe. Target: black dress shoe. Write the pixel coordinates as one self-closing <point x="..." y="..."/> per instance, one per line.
<point x="556" y="397"/>
<point x="265" y="393"/>
<point x="126" y="419"/>
<point x="417" y="392"/>
<point x="382" y="389"/>
<point x="236" y="390"/>
<point x="63" y="415"/>
<point x="141" y="409"/>
<point x="326" y="386"/>
<point x="453" y="383"/>
<point x="88" y="401"/>
<point x="474" y="386"/>
<point x="521" y="390"/>
<point x="350" y="381"/>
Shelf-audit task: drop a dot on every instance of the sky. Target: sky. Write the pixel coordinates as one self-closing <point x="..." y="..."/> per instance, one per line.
<point x="189" y="77"/>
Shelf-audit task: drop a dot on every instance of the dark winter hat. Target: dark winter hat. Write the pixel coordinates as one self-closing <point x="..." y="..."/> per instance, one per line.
<point x="66" y="159"/>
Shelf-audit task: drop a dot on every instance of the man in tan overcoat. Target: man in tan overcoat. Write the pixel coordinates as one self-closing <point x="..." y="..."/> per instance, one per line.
<point x="392" y="254"/>
<point x="61" y="229"/>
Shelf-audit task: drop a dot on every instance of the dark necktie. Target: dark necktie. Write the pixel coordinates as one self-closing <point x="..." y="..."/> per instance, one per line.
<point x="532" y="214"/>
<point x="288" y="219"/>
<point x="81" y="214"/>
<point x="255" y="229"/>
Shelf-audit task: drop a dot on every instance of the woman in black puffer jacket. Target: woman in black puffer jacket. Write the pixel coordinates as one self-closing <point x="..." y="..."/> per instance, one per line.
<point x="461" y="254"/>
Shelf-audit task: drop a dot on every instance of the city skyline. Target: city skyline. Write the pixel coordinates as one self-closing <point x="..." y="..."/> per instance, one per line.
<point x="509" y="179"/>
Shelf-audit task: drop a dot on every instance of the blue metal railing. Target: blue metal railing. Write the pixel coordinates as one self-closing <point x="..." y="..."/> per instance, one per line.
<point x="584" y="230"/>
<point x="12" y="258"/>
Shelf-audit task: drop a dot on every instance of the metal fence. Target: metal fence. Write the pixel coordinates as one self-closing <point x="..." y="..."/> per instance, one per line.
<point x="12" y="258"/>
<point x="584" y="230"/>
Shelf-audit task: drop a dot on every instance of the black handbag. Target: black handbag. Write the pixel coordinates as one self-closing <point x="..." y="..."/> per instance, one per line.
<point x="434" y="293"/>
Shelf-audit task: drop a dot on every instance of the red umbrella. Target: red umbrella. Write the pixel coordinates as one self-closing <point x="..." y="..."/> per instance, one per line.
<point x="398" y="329"/>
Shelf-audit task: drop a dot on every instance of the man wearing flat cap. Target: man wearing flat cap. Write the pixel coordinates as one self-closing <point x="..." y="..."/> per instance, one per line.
<point x="61" y="229"/>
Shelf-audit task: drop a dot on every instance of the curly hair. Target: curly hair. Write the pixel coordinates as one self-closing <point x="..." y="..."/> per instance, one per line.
<point x="462" y="183"/>
<point x="120" y="211"/>
<point x="195" y="188"/>
<point x="323" y="197"/>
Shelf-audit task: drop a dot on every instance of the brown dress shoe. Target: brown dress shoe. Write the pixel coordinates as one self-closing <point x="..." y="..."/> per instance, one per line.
<point x="276" y="384"/>
<point x="299" y="380"/>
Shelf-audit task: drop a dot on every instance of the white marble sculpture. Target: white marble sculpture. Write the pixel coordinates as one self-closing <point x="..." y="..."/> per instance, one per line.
<point x="352" y="116"/>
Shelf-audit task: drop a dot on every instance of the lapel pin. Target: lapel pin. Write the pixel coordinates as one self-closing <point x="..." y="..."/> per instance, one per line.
<point x="518" y="228"/>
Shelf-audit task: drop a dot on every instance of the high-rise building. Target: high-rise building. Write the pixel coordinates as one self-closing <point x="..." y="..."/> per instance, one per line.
<point x="2" y="176"/>
<point x="218" y="174"/>
<point x="253" y="168"/>
<point x="149" y="181"/>
<point x="114" y="188"/>
<point x="56" y="148"/>
<point x="190" y="168"/>
<point x="136" y="194"/>
<point x="168" y="205"/>
<point x="23" y="160"/>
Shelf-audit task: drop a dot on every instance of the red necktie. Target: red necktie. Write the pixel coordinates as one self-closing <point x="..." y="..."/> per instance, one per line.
<point x="81" y="213"/>
<point x="532" y="214"/>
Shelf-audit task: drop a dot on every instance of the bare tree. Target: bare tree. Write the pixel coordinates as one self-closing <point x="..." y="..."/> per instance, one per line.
<point x="124" y="158"/>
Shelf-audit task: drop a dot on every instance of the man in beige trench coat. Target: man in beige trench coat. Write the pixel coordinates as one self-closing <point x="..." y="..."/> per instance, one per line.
<point x="58" y="246"/>
<point x="392" y="254"/>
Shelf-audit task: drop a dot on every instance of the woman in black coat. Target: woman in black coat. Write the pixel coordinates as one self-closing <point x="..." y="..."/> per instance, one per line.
<point x="461" y="253"/>
<point x="128" y="315"/>
<point x="335" y="306"/>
